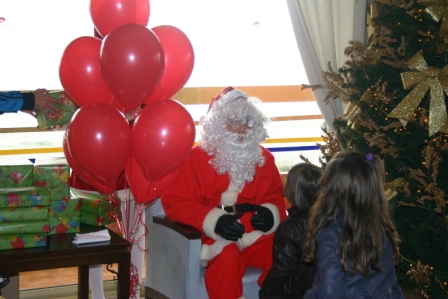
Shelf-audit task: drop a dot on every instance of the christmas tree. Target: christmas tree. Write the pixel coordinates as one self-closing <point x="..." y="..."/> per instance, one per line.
<point x="395" y="88"/>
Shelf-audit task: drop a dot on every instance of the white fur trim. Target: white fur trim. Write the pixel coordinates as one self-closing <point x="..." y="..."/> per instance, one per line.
<point x="230" y="196"/>
<point x="276" y="214"/>
<point x="204" y="256"/>
<point x="208" y="252"/>
<point x="210" y="220"/>
<point x="250" y="238"/>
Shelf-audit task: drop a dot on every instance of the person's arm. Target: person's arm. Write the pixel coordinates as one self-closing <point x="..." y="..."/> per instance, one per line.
<point x="329" y="281"/>
<point x="38" y="100"/>
<point x="269" y="196"/>
<point x="11" y="101"/>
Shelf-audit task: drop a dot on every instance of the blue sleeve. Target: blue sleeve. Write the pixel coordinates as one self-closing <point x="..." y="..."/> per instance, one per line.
<point x="11" y="101"/>
<point x="329" y="281"/>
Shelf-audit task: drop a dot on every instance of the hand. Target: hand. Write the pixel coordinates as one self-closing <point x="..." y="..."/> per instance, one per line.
<point x="229" y="228"/>
<point x="45" y="104"/>
<point x="263" y="219"/>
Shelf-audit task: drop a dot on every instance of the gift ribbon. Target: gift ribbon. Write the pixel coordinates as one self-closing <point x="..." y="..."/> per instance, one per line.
<point x="424" y="78"/>
<point x="374" y="11"/>
<point x="352" y="111"/>
<point x="370" y="29"/>
<point x="438" y="10"/>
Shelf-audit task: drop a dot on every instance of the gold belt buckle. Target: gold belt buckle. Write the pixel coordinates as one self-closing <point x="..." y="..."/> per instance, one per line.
<point x="228" y="205"/>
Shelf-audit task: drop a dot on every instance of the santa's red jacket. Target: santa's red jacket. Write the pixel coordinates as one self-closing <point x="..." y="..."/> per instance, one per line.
<point x="194" y="198"/>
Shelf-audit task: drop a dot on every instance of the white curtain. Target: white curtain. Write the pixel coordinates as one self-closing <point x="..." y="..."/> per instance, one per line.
<point x="323" y="29"/>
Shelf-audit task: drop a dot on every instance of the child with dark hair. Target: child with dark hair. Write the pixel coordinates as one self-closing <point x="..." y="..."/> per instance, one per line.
<point x="350" y="234"/>
<point x="289" y="276"/>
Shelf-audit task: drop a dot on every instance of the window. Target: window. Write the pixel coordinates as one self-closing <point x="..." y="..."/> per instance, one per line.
<point x="248" y="44"/>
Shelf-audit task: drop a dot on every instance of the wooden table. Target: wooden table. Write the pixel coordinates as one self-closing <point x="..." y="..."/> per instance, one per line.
<point x="60" y="252"/>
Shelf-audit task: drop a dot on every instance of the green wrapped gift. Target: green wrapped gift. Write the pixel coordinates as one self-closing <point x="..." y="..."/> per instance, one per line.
<point x="51" y="172"/>
<point x="16" y="172"/>
<point x="66" y="105"/>
<point x="64" y="216"/>
<point x="64" y="224"/>
<point x="97" y="219"/>
<point x="95" y="203"/>
<point x="60" y="193"/>
<point x="25" y="227"/>
<point x="18" y="241"/>
<point x="23" y="214"/>
<point x="24" y="197"/>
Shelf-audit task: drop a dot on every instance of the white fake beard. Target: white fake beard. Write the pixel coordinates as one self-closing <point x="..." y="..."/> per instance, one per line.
<point x="238" y="158"/>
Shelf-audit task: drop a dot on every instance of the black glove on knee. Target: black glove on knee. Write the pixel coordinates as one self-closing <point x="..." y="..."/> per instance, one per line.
<point x="229" y="228"/>
<point x="263" y="219"/>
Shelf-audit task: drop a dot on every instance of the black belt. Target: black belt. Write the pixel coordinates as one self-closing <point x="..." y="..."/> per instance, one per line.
<point x="238" y="208"/>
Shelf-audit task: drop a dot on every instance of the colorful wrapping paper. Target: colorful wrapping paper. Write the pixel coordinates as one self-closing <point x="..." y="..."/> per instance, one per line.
<point x="60" y="193"/>
<point x="64" y="216"/>
<point x="25" y="227"/>
<point x="24" y="197"/>
<point x="18" y="241"/>
<point x="67" y="106"/>
<point x="51" y="172"/>
<point x="97" y="209"/>
<point x="98" y="219"/>
<point x="23" y="214"/>
<point x="16" y="172"/>
<point x="95" y="203"/>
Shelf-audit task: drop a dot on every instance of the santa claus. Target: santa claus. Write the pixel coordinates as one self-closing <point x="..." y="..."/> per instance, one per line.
<point x="231" y="190"/>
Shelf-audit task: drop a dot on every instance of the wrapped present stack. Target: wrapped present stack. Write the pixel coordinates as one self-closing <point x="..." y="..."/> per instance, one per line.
<point x="63" y="212"/>
<point x="98" y="209"/>
<point x="35" y="201"/>
<point x="23" y="207"/>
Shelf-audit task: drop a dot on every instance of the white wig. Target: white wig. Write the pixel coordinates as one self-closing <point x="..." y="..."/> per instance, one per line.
<point x="231" y="153"/>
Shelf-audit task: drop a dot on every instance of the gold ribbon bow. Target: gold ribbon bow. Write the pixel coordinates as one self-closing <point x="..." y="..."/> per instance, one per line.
<point x="370" y="26"/>
<point x="424" y="78"/>
<point x="374" y="11"/>
<point x="352" y="111"/>
<point x="437" y="9"/>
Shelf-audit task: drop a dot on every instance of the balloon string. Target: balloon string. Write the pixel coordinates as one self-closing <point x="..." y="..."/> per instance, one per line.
<point x="134" y="283"/>
<point x="134" y="223"/>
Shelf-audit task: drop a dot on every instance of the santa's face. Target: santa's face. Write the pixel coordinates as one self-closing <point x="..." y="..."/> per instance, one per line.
<point x="232" y="133"/>
<point x="238" y="127"/>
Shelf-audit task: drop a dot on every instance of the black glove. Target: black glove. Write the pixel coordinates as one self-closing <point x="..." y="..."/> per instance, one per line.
<point x="263" y="219"/>
<point x="228" y="227"/>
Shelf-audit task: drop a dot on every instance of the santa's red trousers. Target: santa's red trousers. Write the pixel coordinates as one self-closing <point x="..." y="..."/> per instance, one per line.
<point x="224" y="273"/>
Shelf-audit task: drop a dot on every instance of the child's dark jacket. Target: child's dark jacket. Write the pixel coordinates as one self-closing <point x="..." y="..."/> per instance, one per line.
<point x="289" y="277"/>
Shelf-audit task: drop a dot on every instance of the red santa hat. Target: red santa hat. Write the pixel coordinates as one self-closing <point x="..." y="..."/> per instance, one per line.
<point x="229" y="93"/>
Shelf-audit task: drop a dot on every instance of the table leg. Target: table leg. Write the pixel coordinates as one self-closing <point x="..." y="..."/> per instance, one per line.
<point x="124" y="268"/>
<point x="83" y="282"/>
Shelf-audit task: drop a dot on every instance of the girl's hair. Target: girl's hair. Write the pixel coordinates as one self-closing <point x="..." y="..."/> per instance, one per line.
<point x="302" y="184"/>
<point x="352" y="187"/>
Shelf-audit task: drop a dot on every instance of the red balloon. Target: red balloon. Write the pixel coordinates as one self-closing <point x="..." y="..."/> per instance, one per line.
<point x="162" y="136"/>
<point x="146" y="191"/>
<point x="80" y="73"/>
<point x="179" y="62"/>
<point x="109" y="14"/>
<point x="99" y="140"/>
<point x="132" y="63"/>
<point x="85" y="181"/>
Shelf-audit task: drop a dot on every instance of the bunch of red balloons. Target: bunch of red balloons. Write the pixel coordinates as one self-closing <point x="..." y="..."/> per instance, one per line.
<point x="128" y="70"/>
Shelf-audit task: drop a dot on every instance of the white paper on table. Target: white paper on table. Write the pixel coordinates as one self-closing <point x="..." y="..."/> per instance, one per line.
<point x="99" y="236"/>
